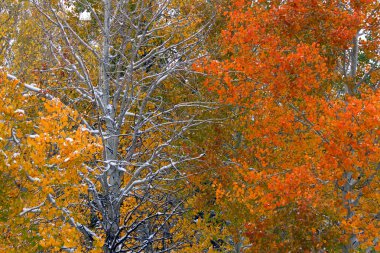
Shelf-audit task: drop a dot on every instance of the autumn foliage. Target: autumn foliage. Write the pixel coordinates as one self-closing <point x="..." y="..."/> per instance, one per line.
<point x="284" y="125"/>
<point x="307" y="173"/>
<point x="45" y="150"/>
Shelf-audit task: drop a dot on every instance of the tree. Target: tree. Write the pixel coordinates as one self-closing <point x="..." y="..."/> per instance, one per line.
<point x="309" y="152"/>
<point x="118" y="79"/>
<point x="108" y="138"/>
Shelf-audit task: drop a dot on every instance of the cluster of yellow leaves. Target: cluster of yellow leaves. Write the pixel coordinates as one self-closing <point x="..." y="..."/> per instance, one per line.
<point x="13" y="106"/>
<point x="47" y="153"/>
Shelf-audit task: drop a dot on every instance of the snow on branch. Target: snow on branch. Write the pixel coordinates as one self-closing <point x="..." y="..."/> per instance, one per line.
<point x="32" y="87"/>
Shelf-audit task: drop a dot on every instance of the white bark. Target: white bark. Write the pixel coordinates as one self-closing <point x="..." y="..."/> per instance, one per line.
<point x="137" y="55"/>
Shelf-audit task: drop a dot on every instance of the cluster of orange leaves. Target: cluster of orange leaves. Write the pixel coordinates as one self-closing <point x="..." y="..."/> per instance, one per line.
<point x="301" y="137"/>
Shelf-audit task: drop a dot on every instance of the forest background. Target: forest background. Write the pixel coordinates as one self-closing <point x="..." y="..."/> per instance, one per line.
<point x="189" y="126"/>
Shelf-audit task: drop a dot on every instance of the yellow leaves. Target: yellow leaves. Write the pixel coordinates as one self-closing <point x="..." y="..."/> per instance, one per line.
<point x="48" y="240"/>
<point x="72" y="236"/>
<point x="98" y="245"/>
<point x="44" y="154"/>
<point x="127" y="206"/>
<point x="56" y="137"/>
<point x="203" y="231"/>
<point x="58" y="233"/>
<point x="58" y="150"/>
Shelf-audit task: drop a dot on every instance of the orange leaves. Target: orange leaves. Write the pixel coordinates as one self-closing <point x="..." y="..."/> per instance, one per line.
<point x="279" y="67"/>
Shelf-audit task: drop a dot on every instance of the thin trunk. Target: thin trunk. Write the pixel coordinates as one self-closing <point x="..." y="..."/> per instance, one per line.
<point x="113" y="179"/>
